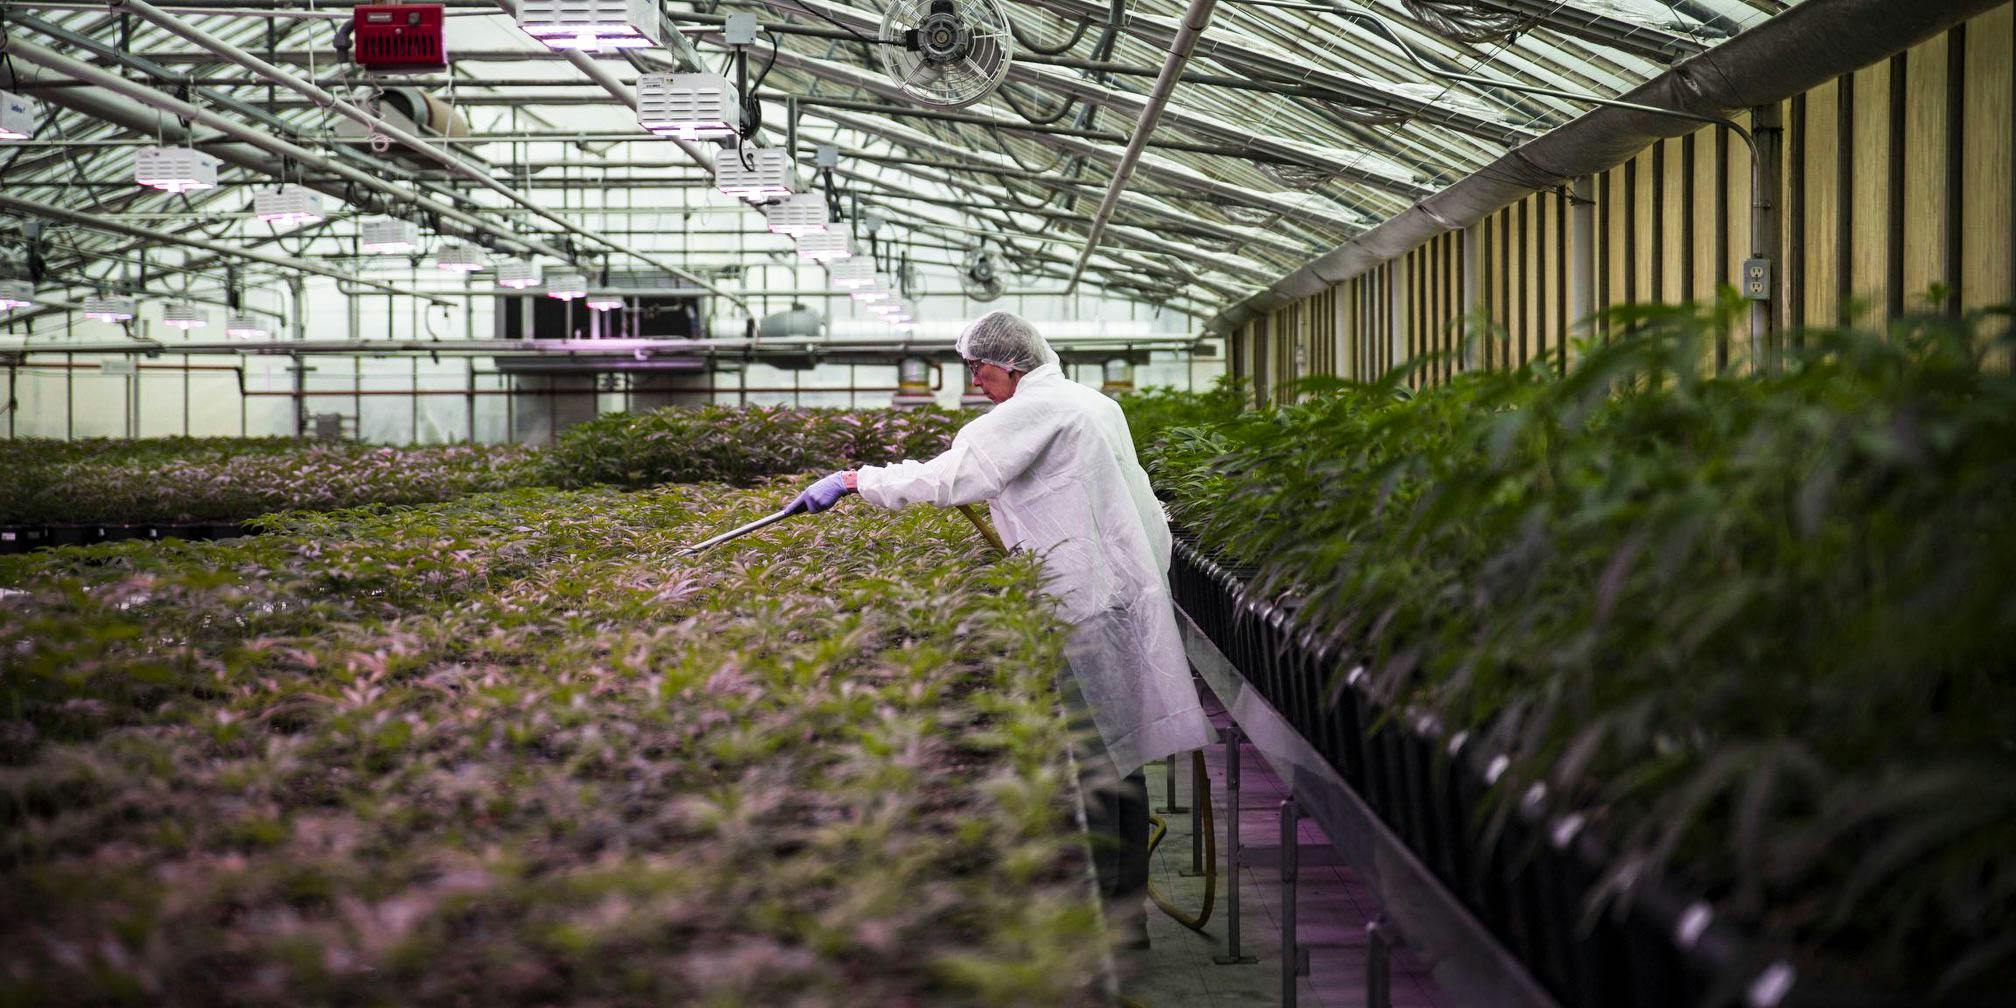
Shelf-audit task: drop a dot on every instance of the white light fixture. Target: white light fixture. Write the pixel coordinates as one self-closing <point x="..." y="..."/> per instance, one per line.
<point x="183" y="315"/>
<point x="244" y="326"/>
<point x="604" y="302"/>
<point x="17" y="117"/>
<point x="871" y="293"/>
<point x="458" y="257"/>
<point x="688" y="106"/>
<point x="388" y="234"/>
<point x="592" y="25"/>
<point x="288" y="204"/>
<point x="851" y="274"/>
<point x="174" y="169"/>
<point x="566" y="286"/>
<point x="757" y="174"/>
<point x="16" y="294"/>
<point x="826" y="247"/>
<point x="517" y="274"/>
<point x="798" y="216"/>
<point x="110" y="309"/>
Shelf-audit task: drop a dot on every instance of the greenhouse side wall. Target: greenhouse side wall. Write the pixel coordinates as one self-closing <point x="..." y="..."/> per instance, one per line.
<point x="1896" y="180"/>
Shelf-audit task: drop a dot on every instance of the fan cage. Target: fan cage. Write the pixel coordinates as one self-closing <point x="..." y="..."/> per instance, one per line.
<point x="949" y="85"/>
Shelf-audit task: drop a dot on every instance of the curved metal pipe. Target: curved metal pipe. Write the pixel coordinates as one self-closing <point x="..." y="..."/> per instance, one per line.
<point x="315" y="93"/>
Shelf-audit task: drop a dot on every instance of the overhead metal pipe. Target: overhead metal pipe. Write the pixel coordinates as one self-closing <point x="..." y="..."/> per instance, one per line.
<point x="323" y="98"/>
<point x="1195" y="20"/>
<point x="30" y="52"/>
<point x="36" y="209"/>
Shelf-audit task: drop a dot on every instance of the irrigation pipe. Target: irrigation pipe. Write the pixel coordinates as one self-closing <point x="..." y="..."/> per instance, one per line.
<point x="1203" y="800"/>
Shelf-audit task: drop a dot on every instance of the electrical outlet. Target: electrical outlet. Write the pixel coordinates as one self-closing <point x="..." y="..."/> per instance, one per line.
<point x="1757" y="279"/>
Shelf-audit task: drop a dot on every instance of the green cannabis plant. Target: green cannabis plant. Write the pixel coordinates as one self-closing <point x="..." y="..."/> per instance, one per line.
<point x="741" y="444"/>
<point x="1755" y="628"/>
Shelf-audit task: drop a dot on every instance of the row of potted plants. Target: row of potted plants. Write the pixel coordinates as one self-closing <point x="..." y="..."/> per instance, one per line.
<point x="741" y="444"/>
<point x="1750" y="632"/>
<point x="515" y="747"/>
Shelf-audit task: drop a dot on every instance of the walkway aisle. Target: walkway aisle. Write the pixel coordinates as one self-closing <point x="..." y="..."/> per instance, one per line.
<point x="1333" y="908"/>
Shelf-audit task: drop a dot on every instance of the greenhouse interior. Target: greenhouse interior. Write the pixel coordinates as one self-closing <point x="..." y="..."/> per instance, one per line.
<point x="1136" y="503"/>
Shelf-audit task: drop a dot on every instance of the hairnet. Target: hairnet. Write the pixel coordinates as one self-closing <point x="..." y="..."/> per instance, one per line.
<point x="1005" y="340"/>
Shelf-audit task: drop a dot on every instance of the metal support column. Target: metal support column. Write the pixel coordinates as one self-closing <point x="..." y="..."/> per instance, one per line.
<point x="1196" y="818"/>
<point x="1169" y="805"/>
<point x="1233" y="737"/>
<point x="1378" y="964"/>
<point x="1294" y="958"/>
<point x="1765" y="240"/>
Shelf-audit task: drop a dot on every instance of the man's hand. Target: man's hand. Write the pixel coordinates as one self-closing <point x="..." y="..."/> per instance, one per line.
<point x="823" y="494"/>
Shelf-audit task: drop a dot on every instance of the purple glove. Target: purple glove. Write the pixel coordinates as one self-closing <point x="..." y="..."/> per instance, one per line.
<point x="821" y="495"/>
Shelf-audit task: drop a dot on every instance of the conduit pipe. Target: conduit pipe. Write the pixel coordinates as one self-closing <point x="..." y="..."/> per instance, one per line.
<point x="227" y="51"/>
<point x="1195" y="20"/>
<point x="36" y="209"/>
<point x="47" y="58"/>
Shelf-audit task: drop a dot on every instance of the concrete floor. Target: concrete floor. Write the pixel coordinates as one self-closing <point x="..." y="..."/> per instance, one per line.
<point x="1333" y="909"/>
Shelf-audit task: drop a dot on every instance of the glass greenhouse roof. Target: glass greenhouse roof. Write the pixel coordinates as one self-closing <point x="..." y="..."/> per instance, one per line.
<point x="1296" y="125"/>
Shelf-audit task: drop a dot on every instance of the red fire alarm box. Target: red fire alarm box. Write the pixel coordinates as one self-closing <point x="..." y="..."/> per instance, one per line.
<point x="398" y="38"/>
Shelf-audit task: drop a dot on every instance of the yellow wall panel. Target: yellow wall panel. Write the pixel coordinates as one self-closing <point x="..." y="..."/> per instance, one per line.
<point x="1673" y="218"/>
<point x="1985" y="165"/>
<point x="1871" y="188"/>
<point x="1641" y="206"/>
<point x="1924" y="169"/>
<point x="1819" y="176"/>
<point x="1707" y="239"/>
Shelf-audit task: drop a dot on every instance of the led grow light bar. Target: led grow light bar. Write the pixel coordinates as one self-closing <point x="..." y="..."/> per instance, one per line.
<point x="288" y="204"/>
<point x="459" y="257"/>
<point x="174" y="169"/>
<point x="110" y="309"/>
<point x="757" y="174"/>
<point x="688" y="106"/>
<point x="16" y="294"/>
<point x="566" y="286"/>
<point x="242" y="326"/>
<point x="388" y="234"/>
<point x="17" y="117"/>
<point x="517" y="274"/>
<point x="185" y="316"/>
<point x="591" y="25"/>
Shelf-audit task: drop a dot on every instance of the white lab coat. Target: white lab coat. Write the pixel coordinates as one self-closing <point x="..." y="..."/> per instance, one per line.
<point x="1057" y="467"/>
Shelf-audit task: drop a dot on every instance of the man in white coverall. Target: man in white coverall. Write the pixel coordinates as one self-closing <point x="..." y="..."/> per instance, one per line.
<point x="1056" y="465"/>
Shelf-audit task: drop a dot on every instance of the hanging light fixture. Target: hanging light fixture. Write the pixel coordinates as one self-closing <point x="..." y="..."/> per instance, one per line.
<point x="871" y="293"/>
<point x="458" y="257"/>
<point x="174" y="169"/>
<point x="827" y="246"/>
<point x="852" y="273"/>
<point x="110" y="309"/>
<point x="16" y="294"/>
<point x="517" y="274"/>
<point x="183" y="315"/>
<point x="244" y="326"/>
<point x="591" y="25"/>
<point x="566" y="286"/>
<point x="604" y="302"/>
<point x="288" y="204"/>
<point x="798" y="216"/>
<point x="688" y="106"/>
<point x="17" y="117"/>
<point x="757" y="174"/>
<point x="388" y="234"/>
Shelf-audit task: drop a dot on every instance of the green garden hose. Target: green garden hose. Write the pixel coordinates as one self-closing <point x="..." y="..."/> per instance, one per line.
<point x="1203" y="800"/>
